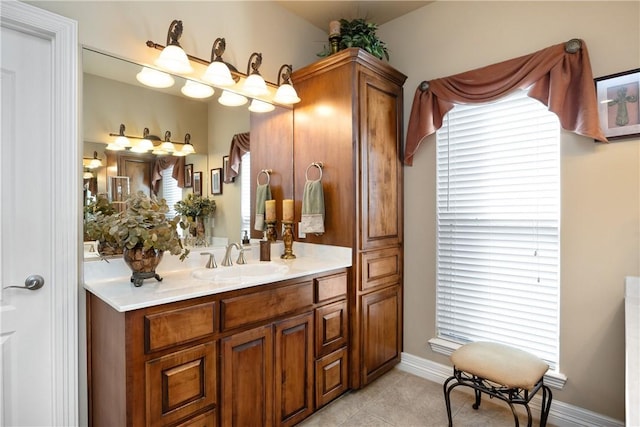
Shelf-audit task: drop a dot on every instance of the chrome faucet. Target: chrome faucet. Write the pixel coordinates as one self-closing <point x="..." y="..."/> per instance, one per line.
<point x="211" y="263"/>
<point x="226" y="262"/>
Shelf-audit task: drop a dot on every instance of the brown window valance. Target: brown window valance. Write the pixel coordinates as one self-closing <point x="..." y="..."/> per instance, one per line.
<point x="559" y="76"/>
<point x="163" y="163"/>
<point x="240" y="144"/>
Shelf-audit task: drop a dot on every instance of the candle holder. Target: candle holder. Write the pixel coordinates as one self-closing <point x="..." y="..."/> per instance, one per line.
<point x="272" y="234"/>
<point x="334" y="39"/>
<point x="287" y="238"/>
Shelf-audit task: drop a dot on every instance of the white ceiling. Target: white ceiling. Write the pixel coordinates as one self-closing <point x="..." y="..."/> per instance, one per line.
<point x="320" y="13"/>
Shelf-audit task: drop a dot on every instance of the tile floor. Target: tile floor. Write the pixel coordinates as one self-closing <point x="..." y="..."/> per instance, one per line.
<point x="402" y="399"/>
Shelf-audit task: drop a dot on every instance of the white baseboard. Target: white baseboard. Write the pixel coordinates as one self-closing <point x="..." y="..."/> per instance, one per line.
<point x="561" y="414"/>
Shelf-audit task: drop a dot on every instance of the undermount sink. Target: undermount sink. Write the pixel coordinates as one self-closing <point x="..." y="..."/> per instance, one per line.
<point x="241" y="273"/>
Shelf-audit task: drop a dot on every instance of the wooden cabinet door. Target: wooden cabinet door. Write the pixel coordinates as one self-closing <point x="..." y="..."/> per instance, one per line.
<point x="247" y="378"/>
<point x="331" y="377"/>
<point x="381" y="320"/>
<point x="294" y="369"/>
<point x="380" y="164"/>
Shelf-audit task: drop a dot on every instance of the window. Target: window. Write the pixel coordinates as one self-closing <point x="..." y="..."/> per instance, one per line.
<point x="498" y="225"/>
<point x="170" y="190"/>
<point x="245" y="197"/>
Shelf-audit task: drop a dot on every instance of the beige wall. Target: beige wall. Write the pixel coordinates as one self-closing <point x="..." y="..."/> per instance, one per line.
<point x="600" y="231"/>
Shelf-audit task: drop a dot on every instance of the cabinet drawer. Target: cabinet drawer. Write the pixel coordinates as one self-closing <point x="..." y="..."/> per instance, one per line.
<point x="265" y="305"/>
<point x="330" y="287"/>
<point x="178" y="326"/>
<point x="180" y="384"/>
<point x="331" y="377"/>
<point x="331" y="327"/>
<point x="380" y="268"/>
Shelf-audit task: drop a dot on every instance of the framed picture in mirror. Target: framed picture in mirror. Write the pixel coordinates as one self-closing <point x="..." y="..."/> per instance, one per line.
<point x="216" y="181"/>
<point x="188" y="175"/>
<point x="197" y="183"/>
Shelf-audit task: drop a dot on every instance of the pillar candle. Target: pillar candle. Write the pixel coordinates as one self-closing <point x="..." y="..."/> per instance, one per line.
<point x="287" y="210"/>
<point x="270" y="210"/>
<point x="334" y="28"/>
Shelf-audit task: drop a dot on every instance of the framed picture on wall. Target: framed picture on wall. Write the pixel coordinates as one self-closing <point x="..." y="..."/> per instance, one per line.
<point x="216" y="181"/>
<point x="225" y="171"/>
<point x="188" y="175"/>
<point x="197" y="183"/>
<point x="619" y="104"/>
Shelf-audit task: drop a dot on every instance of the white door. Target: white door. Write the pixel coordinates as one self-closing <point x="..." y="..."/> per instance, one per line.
<point x="38" y="218"/>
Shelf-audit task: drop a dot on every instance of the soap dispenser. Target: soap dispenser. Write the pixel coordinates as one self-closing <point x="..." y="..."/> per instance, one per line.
<point x="245" y="238"/>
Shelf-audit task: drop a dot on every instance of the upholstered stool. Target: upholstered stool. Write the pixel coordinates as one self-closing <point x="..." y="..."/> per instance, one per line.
<point x="504" y="372"/>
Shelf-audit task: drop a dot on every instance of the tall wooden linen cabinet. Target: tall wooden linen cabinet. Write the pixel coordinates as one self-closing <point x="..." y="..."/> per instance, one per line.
<point x="350" y="119"/>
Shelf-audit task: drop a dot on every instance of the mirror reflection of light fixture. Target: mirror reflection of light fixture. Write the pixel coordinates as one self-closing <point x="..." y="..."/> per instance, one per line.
<point x="154" y="78"/>
<point x="92" y="162"/>
<point x="218" y="72"/>
<point x="258" y="106"/>
<point x="166" y="145"/>
<point x="87" y="175"/>
<point x="144" y="144"/>
<point x="255" y="85"/>
<point x="286" y="94"/>
<point x="112" y="146"/>
<point x="231" y="99"/>
<point x="198" y="90"/>
<point x="122" y="140"/>
<point x="173" y="58"/>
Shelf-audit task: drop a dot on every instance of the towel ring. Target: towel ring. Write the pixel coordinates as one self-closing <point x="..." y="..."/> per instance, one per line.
<point x="267" y="172"/>
<point x="319" y="165"/>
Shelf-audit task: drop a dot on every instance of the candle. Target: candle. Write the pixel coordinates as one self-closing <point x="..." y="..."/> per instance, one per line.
<point x="334" y="28"/>
<point x="270" y="210"/>
<point x="287" y="210"/>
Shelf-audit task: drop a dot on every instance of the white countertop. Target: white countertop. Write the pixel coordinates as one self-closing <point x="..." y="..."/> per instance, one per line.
<point x="110" y="281"/>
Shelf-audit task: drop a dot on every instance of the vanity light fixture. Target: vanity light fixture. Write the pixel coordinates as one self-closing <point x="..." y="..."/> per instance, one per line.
<point x="167" y="146"/>
<point x="258" y="106"/>
<point x="144" y="144"/>
<point x="187" y="148"/>
<point x="154" y="78"/>
<point x="218" y="72"/>
<point x="93" y="162"/>
<point x="112" y="146"/>
<point x="193" y="89"/>
<point x="173" y="58"/>
<point x="255" y="85"/>
<point x="231" y="99"/>
<point x="286" y="94"/>
<point x="122" y="140"/>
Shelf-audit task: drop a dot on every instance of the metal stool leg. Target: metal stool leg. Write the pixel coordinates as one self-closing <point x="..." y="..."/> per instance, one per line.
<point x="447" y="397"/>
<point x="478" y="395"/>
<point x="545" y="405"/>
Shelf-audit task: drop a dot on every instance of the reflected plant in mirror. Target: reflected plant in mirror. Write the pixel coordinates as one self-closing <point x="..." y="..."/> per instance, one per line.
<point x="194" y="210"/>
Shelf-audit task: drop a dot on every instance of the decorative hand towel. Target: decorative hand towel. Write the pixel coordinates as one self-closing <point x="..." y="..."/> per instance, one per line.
<point x="263" y="193"/>
<point x="312" y="220"/>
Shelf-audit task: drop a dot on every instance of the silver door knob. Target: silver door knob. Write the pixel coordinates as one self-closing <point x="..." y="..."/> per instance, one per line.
<point x="32" y="283"/>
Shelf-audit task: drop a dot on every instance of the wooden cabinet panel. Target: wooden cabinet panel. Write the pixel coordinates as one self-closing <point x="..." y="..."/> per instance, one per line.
<point x="247" y="378"/>
<point x="179" y="326"/>
<point x="331" y="377"/>
<point x="208" y="419"/>
<point x="382" y="334"/>
<point x="293" y="369"/>
<point x="260" y="306"/>
<point x="180" y="383"/>
<point x="330" y="287"/>
<point x="331" y="327"/>
<point x="381" y="166"/>
<point x="380" y="268"/>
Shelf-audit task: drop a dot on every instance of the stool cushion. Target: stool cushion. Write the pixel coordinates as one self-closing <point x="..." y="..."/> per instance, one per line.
<point x="500" y="364"/>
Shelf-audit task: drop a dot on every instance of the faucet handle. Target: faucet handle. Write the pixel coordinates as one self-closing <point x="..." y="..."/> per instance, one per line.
<point x="241" y="259"/>
<point x="211" y="263"/>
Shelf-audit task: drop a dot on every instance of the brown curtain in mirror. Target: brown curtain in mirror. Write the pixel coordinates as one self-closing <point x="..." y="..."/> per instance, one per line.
<point x="559" y="76"/>
<point x="240" y="144"/>
<point x="163" y="163"/>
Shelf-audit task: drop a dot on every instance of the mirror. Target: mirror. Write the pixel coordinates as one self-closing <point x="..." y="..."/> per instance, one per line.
<point x="112" y="96"/>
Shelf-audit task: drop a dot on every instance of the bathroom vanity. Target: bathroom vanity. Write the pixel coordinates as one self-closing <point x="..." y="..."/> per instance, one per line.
<point x="207" y="347"/>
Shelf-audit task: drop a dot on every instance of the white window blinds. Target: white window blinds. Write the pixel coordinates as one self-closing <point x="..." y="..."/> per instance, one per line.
<point x="245" y="197"/>
<point x="498" y="225"/>
<point x="170" y="190"/>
